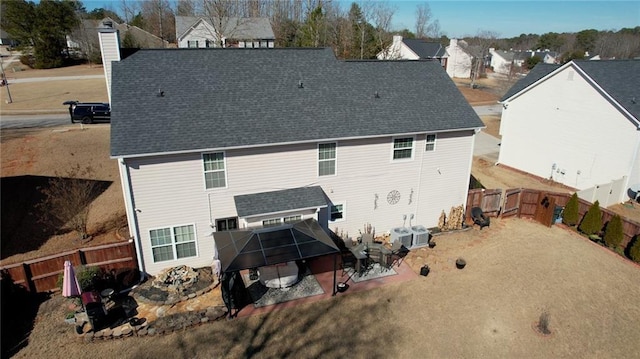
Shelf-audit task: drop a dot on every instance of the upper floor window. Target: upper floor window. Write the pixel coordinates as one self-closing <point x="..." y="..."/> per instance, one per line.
<point x="291" y="219"/>
<point x="226" y="224"/>
<point x="431" y="143"/>
<point x="214" y="170"/>
<point x="327" y="159"/>
<point x="403" y="148"/>
<point x="192" y="43"/>
<point x="173" y="242"/>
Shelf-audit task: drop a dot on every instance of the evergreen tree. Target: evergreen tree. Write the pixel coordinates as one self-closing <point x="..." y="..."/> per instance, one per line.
<point x="592" y="221"/>
<point x="634" y="249"/>
<point x="613" y="234"/>
<point x="571" y="213"/>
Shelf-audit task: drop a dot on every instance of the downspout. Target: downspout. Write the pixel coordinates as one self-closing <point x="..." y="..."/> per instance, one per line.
<point x="635" y="158"/>
<point x="132" y="220"/>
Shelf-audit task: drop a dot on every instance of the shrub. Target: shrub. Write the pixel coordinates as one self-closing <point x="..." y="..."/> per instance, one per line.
<point x="570" y="214"/>
<point x="85" y="276"/>
<point x="613" y="233"/>
<point x="634" y="250"/>
<point x="592" y="221"/>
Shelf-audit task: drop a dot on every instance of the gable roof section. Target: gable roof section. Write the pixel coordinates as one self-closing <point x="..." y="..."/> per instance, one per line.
<point x="235" y="27"/>
<point x="617" y="79"/>
<point x="539" y="71"/>
<point x="424" y="49"/>
<point x="232" y="98"/>
<point x="280" y="201"/>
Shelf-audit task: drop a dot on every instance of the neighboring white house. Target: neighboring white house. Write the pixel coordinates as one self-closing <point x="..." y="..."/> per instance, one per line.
<point x="213" y="147"/>
<point x="234" y="32"/>
<point x="506" y="62"/>
<point x="414" y="49"/>
<point x="577" y="124"/>
<point x="459" y="61"/>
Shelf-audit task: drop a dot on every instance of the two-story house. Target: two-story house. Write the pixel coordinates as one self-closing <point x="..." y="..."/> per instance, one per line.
<point x="241" y="139"/>
<point x="202" y="31"/>
<point x="414" y="49"/>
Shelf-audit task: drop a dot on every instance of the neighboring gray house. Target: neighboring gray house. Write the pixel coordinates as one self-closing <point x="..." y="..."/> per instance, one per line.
<point x="6" y="39"/>
<point x="217" y="146"/>
<point x="577" y="124"/>
<point x="230" y="32"/>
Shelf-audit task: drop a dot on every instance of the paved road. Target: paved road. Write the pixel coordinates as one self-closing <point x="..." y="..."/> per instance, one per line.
<point x="33" y="121"/>
<point x="56" y="78"/>
<point x="487" y="146"/>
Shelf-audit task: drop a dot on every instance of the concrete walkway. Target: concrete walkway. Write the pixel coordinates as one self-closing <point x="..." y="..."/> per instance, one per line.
<point x="485" y="145"/>
<point x="55" y="78"/>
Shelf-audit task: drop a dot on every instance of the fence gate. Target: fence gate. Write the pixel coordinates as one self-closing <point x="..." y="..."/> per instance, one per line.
<point x="511" y="203"/>
<point x="545" y="209"/>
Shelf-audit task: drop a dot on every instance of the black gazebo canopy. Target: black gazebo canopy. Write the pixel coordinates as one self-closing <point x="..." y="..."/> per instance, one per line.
<point x="246" y="249"/>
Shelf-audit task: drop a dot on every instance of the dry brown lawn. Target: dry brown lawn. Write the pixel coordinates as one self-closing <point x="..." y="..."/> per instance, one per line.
<point x="516" y="269"/>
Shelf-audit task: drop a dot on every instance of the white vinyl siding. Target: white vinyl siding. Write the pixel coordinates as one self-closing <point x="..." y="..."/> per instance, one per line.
<point x="214" y="170"/>
<point x="402" y="148"/>
<point x="173" y="242"/>
<point x="430" y="143"/>
<point x="170" y="189"/>
<point x="591" y="144"/>
<point x="327" y="159"/>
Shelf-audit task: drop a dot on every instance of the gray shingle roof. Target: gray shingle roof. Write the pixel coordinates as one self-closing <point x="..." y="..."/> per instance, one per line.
<point x="280" y="201"/>
<point x="424" y="49"/>
<point x="618" y="78"/>
<point x="222" y="98"/>
<point x="236" y="28"/>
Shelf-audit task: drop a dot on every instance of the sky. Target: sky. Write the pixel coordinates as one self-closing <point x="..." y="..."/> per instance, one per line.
<point x="504" y="18"/>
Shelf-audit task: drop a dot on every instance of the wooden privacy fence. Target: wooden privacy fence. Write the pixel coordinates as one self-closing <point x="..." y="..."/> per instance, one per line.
<point x="538" y="205"/>
<point x="41" y="274"/>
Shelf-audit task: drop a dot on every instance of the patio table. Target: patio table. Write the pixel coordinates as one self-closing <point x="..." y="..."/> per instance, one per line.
<point x="360" y="252"/>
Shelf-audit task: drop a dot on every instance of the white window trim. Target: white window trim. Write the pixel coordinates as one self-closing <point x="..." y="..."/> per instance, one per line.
<point x="335" y="159"/>
<point x="393" y="148"/>
<point x="344" y="211"/>
<point x="173" y="242"/>
<point x="204" y="177"/>
<point x="283" y="220"/>
<point x="292" y="218"/>
<point x="279" y="219"/>
<point x="426" y="142"/>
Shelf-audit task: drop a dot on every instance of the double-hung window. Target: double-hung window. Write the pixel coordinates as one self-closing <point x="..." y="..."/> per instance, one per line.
<point x="272" y="222"/>
<point x="402" y="148"/>
<point x="291" y="219"/>
<point x="326" y="159"/>
<point x="192" y="43"/>
<point x="214" y="170"/>
<point x="431" y="143"/>
<point x="173" y="242"/>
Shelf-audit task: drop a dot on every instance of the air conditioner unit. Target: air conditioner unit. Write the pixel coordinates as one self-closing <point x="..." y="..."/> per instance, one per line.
<point x="401" y="234"/>
<point x="420" y="236"/>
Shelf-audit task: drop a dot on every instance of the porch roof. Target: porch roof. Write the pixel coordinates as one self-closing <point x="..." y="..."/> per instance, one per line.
<point x="280" y="201"/>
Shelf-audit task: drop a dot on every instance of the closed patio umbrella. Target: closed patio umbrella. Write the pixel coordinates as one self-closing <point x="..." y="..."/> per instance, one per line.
<point x="70" y="285"/>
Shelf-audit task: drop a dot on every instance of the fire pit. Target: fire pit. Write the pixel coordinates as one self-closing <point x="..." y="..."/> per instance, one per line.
<point x="175" y="284"/>
<point x="176" y="279"/>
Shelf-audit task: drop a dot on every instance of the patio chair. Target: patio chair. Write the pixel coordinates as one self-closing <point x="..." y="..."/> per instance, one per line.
<point x="367" y="238"/>
<point x="479" y="218"/>
<point x="348" y="261"/>
<point x="398" y="252"/>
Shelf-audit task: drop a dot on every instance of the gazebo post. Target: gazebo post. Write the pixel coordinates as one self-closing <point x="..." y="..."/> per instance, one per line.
<point x="335" y="266"/>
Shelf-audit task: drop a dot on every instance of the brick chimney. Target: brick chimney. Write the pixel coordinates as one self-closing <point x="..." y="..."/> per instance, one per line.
<point x="110" y="50"/>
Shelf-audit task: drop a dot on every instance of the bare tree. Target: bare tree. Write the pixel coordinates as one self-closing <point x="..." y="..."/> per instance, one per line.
<point x="225" y="17"/>
<point x="423" y="17"/>
<point x="433" y="30"/>
<point x="129" y="9"/>
<point x="185" y="8"/>
<point x="479" y="49"/>
<point x="382" y="15"/>
<point x="159" y="18"/>
<point x="68" y="198"/>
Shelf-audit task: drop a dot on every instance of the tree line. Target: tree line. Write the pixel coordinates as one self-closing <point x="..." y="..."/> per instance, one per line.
<point x="358" y="31"/>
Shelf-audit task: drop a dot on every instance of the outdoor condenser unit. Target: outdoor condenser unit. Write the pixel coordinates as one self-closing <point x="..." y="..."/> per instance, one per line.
<point x="401" y="234"/>
<point x="420" y="236"/>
